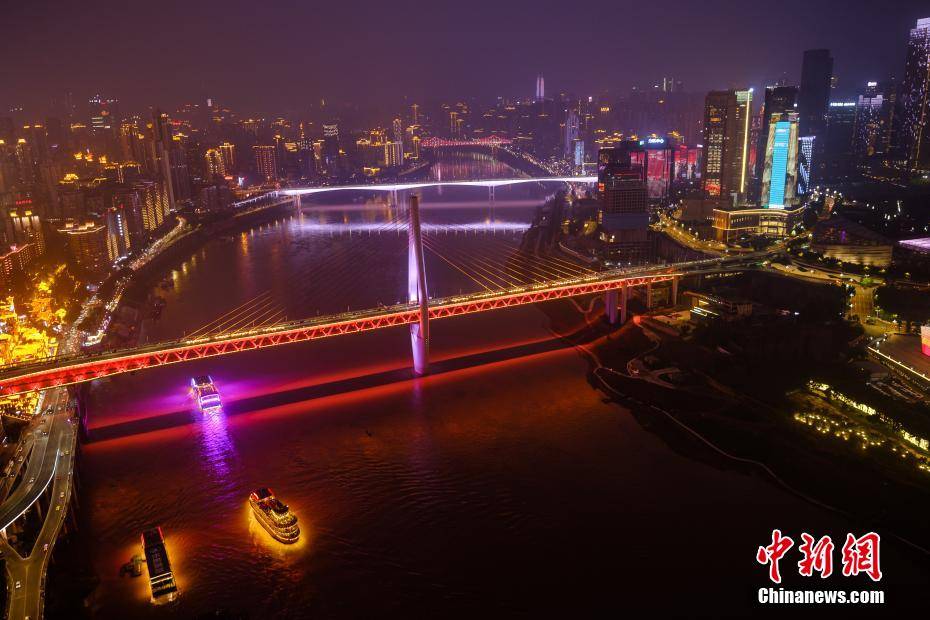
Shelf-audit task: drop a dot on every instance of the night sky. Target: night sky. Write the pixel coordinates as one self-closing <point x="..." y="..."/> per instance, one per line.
<point x="261" y="59"/>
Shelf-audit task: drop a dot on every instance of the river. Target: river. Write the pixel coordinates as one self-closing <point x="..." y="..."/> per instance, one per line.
<point x="504" y="484"/>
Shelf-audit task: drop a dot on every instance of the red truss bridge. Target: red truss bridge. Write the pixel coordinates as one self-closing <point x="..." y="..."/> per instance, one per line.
<point x="614" y="284"/>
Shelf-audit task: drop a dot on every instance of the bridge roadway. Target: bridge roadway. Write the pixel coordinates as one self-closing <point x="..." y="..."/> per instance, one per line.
<point x="77" y="368"/>
<point x="395" y="187"/>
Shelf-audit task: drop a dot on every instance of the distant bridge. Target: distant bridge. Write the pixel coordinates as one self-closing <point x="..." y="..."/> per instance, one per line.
<point x="396" y="187"/>
<point x="492" y="141"/>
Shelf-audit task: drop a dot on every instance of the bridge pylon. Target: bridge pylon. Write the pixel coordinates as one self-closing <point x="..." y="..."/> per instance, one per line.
<point x="416" y="290"/>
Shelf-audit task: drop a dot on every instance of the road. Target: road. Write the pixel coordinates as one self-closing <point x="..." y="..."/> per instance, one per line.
<point x="51" y="463"/>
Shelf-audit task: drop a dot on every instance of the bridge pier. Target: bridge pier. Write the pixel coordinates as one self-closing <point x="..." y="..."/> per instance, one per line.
<point x="674" y="291"/>
<point x="416" y="290"/>
<point x="616" y="301"/>
<point x="610" y="301"/>
<point x="648" y="295"/>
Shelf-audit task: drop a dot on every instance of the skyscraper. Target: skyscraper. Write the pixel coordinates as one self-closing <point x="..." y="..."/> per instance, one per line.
<point x="572" y="132"/>
<point x="813" y="100"/>
<point x="540" y="88"/>
<point x="838" y="161"/>
<point x="780" y="174"/>
<point x="778" y="100"/>
<point x="868" y="136"/>
<point x="914" y="104"/>
<point x="726" y="144"/>
<point x="621" y="185"/>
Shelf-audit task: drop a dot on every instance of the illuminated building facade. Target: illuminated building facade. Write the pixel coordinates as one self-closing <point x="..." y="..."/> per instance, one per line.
<point x="266" y="162"/>
<point x="16" y="259"/>
<point x="228" y="153"/>
<point x="914" y="104"/>
<point x="780" y="174"/>
<point x="869" y="131"/>
<point x="87" y="244"/>
<point x="732" y="224"/>
<point x="214" y="165"/>
<point x="727" y="115"/>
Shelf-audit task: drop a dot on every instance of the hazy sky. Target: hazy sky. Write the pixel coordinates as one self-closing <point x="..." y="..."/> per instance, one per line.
<point x="272" y="55"/>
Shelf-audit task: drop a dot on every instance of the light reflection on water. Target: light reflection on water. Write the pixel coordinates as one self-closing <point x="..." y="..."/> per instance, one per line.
<point x="217" y="449"/>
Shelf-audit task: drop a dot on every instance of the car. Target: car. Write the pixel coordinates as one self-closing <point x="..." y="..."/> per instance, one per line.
<point x="32" y="480"/>
<point x="61" y="495"/>
<point x="18" y="585"/>
<point x="45" y="547"/>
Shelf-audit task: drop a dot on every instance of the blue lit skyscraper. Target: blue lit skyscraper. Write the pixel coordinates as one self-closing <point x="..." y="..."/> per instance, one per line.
<point x="779" y="178"/>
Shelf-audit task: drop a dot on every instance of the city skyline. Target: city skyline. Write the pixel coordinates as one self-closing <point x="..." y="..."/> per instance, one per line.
<point x="295" y="57"/>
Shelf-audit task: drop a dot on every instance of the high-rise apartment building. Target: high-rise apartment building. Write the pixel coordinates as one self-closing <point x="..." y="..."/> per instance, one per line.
<point x="266" y="162"/>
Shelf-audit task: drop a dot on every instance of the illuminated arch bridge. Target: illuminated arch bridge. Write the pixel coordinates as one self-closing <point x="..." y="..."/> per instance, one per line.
<point x="396" y="187"/>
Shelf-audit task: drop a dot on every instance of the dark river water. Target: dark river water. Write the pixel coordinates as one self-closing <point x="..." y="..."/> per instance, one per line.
<point x="503" y="485"/>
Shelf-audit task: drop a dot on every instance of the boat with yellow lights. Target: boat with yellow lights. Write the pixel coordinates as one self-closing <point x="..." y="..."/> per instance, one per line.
<point x="274" y="516"/>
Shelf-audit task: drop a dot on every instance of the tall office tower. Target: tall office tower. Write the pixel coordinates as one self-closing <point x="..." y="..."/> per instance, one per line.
<point x="453" y="124"/>
<point x="621" y="186"/>
<point x="266" y="164"/>
<point x="914" y="105"/>
<point x="838" y="161"/>
<point x="813" y="100"/>
<point x="415" y="114"/>
<point x="214" y="164"/>
<point x="540" y="88"/>
<point x="805" y="156"/>
<point x="868" y="135"/>
<point x="725" y="171"/>
<point x="780" y="174"/>
<point x="889" y="138"/>
<point x="778" y="100"/>
<point x="572" y="133"/>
